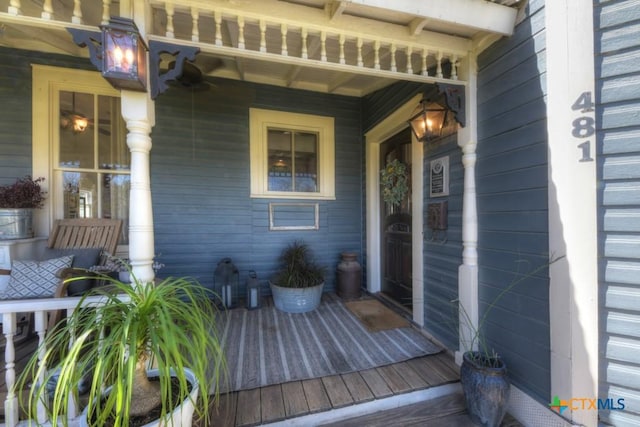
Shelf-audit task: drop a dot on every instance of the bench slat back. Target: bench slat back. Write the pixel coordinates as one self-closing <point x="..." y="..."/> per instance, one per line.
<point x="86" y="233"/>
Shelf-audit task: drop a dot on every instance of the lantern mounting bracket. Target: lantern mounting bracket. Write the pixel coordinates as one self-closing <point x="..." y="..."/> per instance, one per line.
<point x="158" y="82"/>
<point x="455" y="100"/>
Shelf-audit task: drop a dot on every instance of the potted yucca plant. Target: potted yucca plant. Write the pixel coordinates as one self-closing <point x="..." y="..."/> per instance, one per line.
<point x="17" y="202"/>
<point x="170" y="325"/>
<point x="483" y="373"/>
<point x="297" y="286"/>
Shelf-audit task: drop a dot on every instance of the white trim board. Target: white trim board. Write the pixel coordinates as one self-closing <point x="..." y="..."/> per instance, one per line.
<point x="391" y="125"/>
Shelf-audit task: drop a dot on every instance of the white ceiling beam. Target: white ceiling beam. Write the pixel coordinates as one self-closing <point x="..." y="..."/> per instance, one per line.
<point x="341" y="80"/>
<point x="479" y="14"/>
<point x="336" y="8"/>
<point x="416" y="26"/>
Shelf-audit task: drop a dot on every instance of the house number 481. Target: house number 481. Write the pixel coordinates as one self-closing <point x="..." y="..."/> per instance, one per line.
<point x="584" y="126"/>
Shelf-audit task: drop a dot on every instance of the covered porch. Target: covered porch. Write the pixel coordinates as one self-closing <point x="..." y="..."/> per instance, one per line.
<point x="192" y="196"/>
<point x="357" y="50"/>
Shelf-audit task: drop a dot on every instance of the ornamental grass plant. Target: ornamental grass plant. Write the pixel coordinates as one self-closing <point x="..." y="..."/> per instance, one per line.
<point x="297" y="267"/>
<point x="477" y="347"/>
<point x="119" y="330"/>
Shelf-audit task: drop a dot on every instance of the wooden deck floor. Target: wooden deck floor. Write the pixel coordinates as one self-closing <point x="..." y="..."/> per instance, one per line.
<point x="331" y="400"/>
<point x="304" y="399"/>
<point x="298" y="398"/>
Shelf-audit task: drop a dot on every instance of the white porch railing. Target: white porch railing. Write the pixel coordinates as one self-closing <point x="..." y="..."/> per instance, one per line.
<point x="228" y="29"/>
<point x="40" y="309"/>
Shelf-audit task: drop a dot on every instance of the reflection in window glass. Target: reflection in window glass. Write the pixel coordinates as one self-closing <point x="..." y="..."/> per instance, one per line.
<point x="76" y="130"/>
<point x="113" y="152"/>
<point x="293" y="161"/>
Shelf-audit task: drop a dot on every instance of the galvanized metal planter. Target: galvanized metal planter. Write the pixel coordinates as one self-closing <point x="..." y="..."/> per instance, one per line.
<point x="296" y="300"/>
<point x="16" y="223"/>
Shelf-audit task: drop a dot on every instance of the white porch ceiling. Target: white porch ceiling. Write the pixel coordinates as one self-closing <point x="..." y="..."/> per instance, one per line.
<point x="369" y="43"/>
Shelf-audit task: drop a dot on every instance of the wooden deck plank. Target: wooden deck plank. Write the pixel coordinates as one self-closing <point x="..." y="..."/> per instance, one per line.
<point x="337" y="391"/>
<point x="376" y="383"/>
<point x="411" y="377"/>
<point x="447" y="360"/>
<point x="393" y="379"/>
<point x="295" y="403"/>
<point x="272" y="403"/>
<point x="224" y="415"/>
<point x="249" y="407"/>
<point x="316" y="395"/>
<point x="424" y="367"/>
<point x="444" y="370"/>
<point x="422" y="413"/>
<point x="357" y="387"/>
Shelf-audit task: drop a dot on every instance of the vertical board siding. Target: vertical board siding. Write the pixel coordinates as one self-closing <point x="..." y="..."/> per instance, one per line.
<point x="201" y="183"/>
<point x="617" y="42"/>
<point x="512" y="202"/>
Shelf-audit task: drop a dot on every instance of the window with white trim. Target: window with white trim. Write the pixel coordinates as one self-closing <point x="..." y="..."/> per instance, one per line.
<point x="292" y="155"/>
<point x="81" y="150"/>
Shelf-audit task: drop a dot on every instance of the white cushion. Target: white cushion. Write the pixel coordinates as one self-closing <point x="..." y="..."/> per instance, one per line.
<point x="35" y="279"/>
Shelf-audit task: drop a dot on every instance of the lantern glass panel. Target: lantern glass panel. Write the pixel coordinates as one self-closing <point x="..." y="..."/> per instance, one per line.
<point x="124" y="55"/>
<point x="121" y="52"/>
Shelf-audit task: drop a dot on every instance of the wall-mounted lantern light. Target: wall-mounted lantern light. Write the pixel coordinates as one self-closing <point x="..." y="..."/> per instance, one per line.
<point x="120" y="53"/>
<point x="432" y="115"/>
<point x="124" y="55"/>
<point x="427" y="120"/>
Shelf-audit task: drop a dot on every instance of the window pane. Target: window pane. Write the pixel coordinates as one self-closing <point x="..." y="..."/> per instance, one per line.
<point x="115" y="200"/>
<point x="80" y="195"/>
<point x="306" y="164"/>
<point x="280" y="160"/>
<point x="76" y="130"/>
<point x="113" y="152"/>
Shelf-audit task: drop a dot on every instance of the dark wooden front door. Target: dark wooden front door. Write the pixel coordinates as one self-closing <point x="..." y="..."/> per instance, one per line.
<point x="396" y="226"/>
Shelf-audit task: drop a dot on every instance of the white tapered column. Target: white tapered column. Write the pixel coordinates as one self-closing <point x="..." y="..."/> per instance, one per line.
<point x="468" y="271"/>
<point x="139" y="113"/>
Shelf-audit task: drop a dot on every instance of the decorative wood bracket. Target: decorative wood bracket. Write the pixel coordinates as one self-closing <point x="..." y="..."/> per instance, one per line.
<point x="455" y="99"/>
<point x="92" y="40"/>
<point x="181" y="53"/>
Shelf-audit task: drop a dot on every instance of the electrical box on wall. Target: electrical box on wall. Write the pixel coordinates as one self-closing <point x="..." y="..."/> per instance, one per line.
<point x="437" y="215"/>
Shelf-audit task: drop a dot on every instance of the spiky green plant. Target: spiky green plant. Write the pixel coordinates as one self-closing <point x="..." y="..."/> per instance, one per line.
<point x="477" y="346"/>
<point x="170" y="324"/>
<point x="297" y="267"/>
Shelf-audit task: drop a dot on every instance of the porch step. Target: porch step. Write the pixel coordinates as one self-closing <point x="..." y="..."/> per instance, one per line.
<point x="441" y="406"/>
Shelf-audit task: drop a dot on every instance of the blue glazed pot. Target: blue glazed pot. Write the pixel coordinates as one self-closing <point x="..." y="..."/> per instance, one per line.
<point x="296" y="300"/>
<point x="486" y="389"/>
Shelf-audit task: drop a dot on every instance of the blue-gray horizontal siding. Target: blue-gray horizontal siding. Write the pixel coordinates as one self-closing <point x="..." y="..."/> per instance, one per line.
<point x="200" y="171"/>
<point x="443" y="253"/>
<point x="617" y="41"/>
<point x="16" y="107"/>
<point x="512" y="193"/>
<point x="201" y="182"/>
